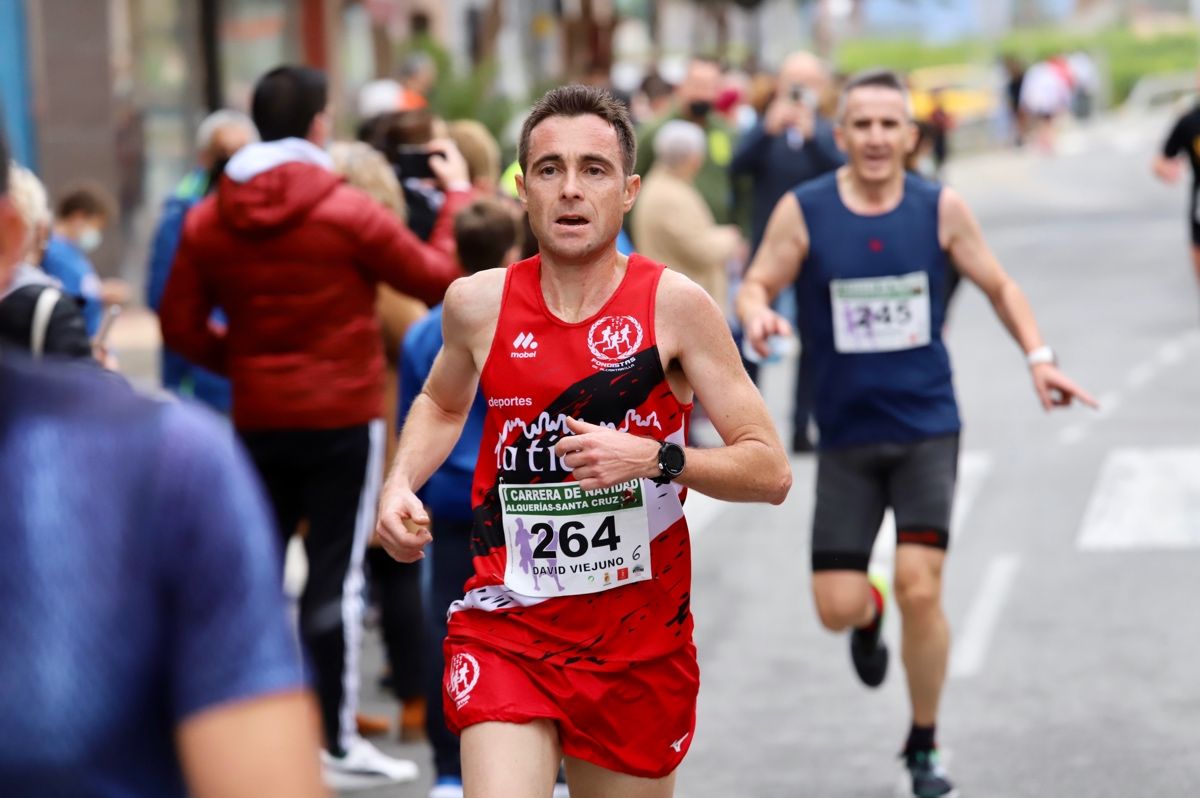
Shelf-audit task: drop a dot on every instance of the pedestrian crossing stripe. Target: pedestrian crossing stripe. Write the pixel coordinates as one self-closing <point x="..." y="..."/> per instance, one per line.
<point x="1144" y="498"/>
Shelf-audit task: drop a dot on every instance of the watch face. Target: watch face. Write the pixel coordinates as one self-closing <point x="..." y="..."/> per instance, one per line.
<point x="672" y="459"/>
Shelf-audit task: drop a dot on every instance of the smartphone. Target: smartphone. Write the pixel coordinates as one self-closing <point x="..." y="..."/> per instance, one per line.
<point x="110" y="316"/>
<point x="413" y="162"/>
<point x="802" y="96"/>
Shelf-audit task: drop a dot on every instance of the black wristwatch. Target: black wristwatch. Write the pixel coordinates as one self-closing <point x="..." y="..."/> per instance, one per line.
<point x="670" y="462"/>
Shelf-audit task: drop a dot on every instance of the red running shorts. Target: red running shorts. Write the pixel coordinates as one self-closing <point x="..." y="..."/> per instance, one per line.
<point x="636" y="720"/>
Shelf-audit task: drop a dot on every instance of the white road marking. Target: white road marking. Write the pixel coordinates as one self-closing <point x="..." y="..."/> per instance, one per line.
<point x="1144" y="499"/>
<point x="1169" y="354"/>
<point x="1109" y="403"/>
<point x="1069" y="436"/>
<point x="1139" y="375"/>
<point x="970" y="650"/>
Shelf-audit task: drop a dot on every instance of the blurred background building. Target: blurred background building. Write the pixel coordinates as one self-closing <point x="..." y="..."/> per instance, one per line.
<point x="111" y="90"/>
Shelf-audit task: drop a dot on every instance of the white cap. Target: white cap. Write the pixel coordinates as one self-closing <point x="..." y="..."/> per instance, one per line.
<point x="379" y="97"/>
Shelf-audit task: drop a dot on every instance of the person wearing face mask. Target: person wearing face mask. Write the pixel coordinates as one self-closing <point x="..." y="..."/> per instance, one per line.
<point x="695" y="99"/>
<point x="82" y="214"/>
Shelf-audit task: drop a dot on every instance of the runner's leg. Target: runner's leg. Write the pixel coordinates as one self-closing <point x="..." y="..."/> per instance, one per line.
<point x="925" y="642"/>
<point x="921" y="489"/>
<point x="851" y="498"/>
<point x="503" y="760"/>
<point x="587" y="780"/>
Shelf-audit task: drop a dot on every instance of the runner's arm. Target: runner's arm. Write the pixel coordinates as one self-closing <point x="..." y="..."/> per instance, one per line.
<point x="1167" y="166"/>
<point x="433" y="425"/>
<point x="963" y="241"/>
<point x="263" y="747"/>
<point x="776" y="265"/>
<point x="750" y="467"/>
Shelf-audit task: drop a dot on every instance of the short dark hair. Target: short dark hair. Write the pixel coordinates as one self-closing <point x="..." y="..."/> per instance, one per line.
<point x="579" y="100"/>
<point x="484" y="231"/>
<point x="88" y="199"/>
<point x="286" y="100"/>
<point x="882" y="78"/>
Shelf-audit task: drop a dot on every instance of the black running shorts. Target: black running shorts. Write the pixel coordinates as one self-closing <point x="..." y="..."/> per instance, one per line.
<point x="856" y="485"/>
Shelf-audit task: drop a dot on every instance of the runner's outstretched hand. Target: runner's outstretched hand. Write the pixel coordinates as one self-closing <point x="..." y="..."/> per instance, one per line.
<point x="1055" y="389"/>
<point x="601" y="457"/>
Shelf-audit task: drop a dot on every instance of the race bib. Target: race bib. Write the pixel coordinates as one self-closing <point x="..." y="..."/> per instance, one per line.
<point x="564" y="541"/>
<point x="881" y="314"/>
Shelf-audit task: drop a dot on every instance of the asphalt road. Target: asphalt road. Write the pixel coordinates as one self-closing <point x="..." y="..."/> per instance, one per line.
<point x="1071" y="584"/>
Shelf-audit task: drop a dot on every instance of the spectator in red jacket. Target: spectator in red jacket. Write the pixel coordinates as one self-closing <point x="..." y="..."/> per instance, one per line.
<point x="293" y="256"/>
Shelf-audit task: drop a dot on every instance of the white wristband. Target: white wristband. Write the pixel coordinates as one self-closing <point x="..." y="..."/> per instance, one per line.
<point x="1043" y="354"/>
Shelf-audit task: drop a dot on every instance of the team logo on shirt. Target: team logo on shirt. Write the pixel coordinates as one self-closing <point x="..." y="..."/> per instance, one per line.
<point x="461" y="680"/>
<point x="614" y="340"/>
<point x="524" y="345"/>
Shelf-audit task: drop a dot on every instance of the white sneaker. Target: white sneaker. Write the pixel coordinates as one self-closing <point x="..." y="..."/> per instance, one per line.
<point x="561" y="791"/>
<point x="364" y="766"/>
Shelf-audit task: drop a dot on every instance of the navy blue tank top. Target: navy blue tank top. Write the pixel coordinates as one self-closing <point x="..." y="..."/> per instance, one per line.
<point x="872" y="299"/>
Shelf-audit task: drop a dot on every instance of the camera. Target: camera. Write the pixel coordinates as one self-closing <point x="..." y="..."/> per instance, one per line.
<point x="413" y="161"/>
<point x="802" y="96"/>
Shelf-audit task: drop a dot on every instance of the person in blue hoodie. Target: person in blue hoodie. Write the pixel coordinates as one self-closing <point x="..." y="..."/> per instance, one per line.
<point x="82" y="214"/>
<point x="487" y="238"/>
<point x="220" y="135"/>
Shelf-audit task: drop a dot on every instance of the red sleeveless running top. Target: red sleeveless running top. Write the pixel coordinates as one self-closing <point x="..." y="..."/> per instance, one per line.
<point x="603" y="370"/>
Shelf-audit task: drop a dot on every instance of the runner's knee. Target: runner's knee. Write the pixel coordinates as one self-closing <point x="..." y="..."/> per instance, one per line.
<point x="918" y="590"/>
<point x="840" y="608"/>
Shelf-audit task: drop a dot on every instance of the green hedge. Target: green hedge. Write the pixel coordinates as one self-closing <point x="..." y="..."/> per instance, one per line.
<point x="1123" y="54"/>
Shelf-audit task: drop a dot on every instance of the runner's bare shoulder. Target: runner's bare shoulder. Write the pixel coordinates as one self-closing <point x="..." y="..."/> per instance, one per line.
<point x="683" y="310"/>
<point x="472" y="306"/>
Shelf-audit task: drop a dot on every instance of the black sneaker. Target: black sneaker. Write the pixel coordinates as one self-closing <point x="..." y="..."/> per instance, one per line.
<point x="929" y="779"/>
<point x="868" y="651"/>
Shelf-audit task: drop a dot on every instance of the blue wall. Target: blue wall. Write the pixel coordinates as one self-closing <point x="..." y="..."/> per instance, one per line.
<point x="15" y="102"/>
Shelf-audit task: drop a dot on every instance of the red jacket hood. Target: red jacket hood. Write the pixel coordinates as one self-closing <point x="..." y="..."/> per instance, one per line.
<point x="275" y="199"/>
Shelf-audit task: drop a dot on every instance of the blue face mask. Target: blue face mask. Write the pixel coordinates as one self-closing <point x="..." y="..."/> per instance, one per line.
<point x="89" y="239"/>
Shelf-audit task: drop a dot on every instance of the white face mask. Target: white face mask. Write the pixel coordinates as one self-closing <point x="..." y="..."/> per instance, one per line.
<point x="89" y="239"/>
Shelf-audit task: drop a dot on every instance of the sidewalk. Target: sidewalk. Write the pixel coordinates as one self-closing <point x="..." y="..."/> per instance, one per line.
<point x="136" y="341"/>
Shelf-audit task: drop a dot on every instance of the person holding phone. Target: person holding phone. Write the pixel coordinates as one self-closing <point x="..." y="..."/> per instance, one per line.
<point x="791" y="144"/>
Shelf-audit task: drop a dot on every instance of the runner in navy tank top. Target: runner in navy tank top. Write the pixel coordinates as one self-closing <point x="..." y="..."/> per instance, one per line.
<point x="574" y="638"/>
<point x="869" y="248"/>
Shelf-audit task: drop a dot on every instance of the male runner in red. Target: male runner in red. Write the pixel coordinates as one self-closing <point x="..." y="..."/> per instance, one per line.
<point x="574" y="638"/>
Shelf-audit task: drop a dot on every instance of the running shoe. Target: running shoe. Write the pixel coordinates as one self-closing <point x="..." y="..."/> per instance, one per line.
<point x="927" y="778"/>
<point x="447" y="787"/>
<point x="364" y="766"/>
<point x="868" y="650"/>
<point x="450" y="787"/>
